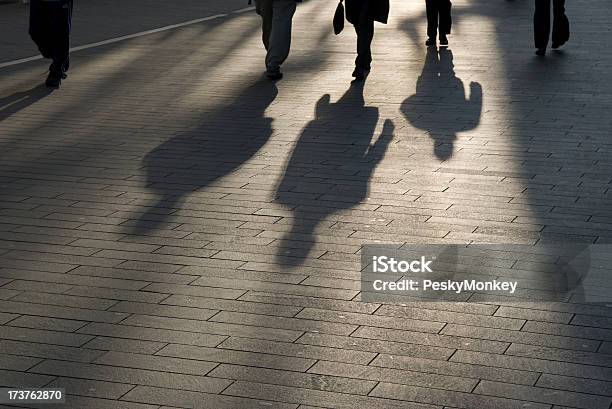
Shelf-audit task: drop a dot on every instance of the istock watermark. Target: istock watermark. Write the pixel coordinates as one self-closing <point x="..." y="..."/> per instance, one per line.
<point x="384" y="264"/>
<point x="578" y="273"/>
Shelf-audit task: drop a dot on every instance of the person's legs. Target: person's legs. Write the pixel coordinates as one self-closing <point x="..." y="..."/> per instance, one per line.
<point x="61" y="17"/>
<point x="264" y="9"/>
<point x="58" y="16"/>
<point x="280" y="35"/>
<point x="365" y="35"/>
<point x="560" y="31"/>
<point x="541" y="24"/>
<point x="444" y="9"/>
<point x="432" y="19"/>
<point x="40" y="27"/>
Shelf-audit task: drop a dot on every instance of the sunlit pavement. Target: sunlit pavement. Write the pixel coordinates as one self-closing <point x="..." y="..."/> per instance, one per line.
<point x="179" y="232"/>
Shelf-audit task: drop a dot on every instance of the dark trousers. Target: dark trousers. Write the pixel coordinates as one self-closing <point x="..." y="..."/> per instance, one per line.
<point x="541" y="23"/>
<point x="364" y="27"/>
<point x="50" y="25"/>
<point x="277" y="20"/>
<point x="438" y="17"/>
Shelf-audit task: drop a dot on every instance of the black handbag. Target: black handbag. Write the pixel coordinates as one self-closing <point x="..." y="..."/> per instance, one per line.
<point x="561" y="30"/>
<point x="339" y="18"/>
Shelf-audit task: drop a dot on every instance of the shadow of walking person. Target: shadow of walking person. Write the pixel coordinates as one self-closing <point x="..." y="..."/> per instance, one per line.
<point x="12" y="104"/>
<point x="342" y="151"/>
<point x="440" y="106"/>
<point x="225" y="139"/>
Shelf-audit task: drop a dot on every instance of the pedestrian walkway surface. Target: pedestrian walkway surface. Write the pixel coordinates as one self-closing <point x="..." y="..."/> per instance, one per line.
<point x="178" y="232"/>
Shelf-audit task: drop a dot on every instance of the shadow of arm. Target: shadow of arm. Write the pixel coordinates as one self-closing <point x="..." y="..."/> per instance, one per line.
<point x="377" y="151"/>
<point x="475" y="104"/>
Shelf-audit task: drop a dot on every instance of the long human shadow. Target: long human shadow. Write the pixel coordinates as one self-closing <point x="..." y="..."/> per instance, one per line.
<point x="561" y="127"/>
<point x="557" y="121"/>
<point x="102" y="92"/>
<point x="193" y="160"/>
<point x="559" y="133"/>
<point x="345" y="144"/>
<point x="556" y="124"/>
<point x="439" y="105"/>
<point x="19" y="101"/>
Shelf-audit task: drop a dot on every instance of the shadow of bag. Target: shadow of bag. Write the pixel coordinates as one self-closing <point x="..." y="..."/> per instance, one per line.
<point x="339" y="18"/>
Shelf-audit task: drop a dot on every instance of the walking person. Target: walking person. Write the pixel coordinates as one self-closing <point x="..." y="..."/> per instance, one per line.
<point x="277" y="19"/>
<point x="541" y="25"/>
<point x="50" y="26"/>
<point x="438" y="20"/>
<point x="362" y="14"/>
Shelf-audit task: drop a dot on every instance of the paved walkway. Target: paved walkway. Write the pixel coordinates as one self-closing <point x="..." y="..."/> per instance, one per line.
<point x="177" y="232"/>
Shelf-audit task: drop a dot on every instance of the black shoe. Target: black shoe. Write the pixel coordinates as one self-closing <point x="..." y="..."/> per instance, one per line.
<point x="53" y="80"/>
<point x="541" y="52"/>
<point x="274" y="74"/>
<point x="431" y="41"/>
<point x="443" y="40"/>
<point x="556" y="45"/>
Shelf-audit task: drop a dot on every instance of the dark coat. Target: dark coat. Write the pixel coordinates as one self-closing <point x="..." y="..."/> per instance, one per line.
<point x="378" y="10"/>
<point x="50" y="25"/>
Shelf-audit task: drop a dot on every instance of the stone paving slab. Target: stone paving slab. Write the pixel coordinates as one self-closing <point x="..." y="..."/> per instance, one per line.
<point x="178" y="232"/>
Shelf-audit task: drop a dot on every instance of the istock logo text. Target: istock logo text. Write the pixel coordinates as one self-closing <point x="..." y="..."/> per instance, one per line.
<point x="384" y="264"/>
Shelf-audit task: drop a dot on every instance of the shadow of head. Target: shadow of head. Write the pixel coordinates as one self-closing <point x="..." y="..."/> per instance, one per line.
<point x="329" y="169"/>
<point x="224" y="140"/>
<point x="440" y="106"/>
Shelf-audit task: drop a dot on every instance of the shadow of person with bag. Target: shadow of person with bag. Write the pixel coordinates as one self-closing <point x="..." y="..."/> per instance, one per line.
<point x="336" y="143"/>
<point x="440" y="106"/>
